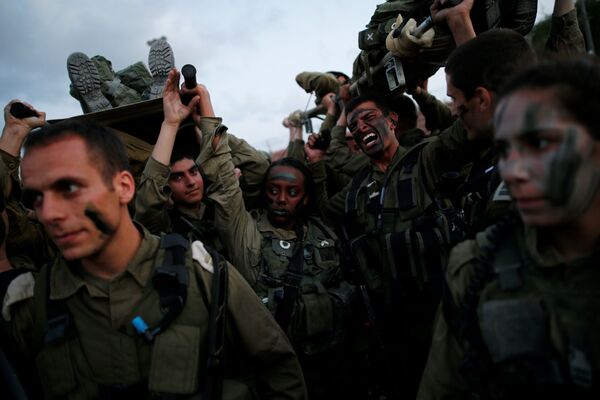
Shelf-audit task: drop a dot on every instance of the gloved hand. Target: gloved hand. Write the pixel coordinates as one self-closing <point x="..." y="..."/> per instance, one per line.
<point x="407" y="45"/>
<point x="293" y="120"/>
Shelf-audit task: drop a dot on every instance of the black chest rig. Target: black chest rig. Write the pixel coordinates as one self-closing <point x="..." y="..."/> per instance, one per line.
<point x="397" y="234"/>
<point x="302" y="285"/>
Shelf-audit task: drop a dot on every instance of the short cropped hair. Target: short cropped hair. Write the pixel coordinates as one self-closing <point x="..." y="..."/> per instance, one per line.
<point x="339" y="74"/>
<point x="489" y="60"/>
<point x="105" y="148"/>
<point x="381" y="103"/>
<point x="576" y="87"/>
<point x="406" y="109"/>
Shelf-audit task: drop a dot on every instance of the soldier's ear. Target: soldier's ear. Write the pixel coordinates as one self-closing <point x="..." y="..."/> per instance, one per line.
<point x="393" y="119"/>
<point x="485" y="98"/>
<point x="124" y="185"/>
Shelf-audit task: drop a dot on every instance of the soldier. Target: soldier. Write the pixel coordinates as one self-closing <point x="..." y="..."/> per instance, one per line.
<point x="520" y="318"/>
<point x="27" y="238"/>
<point x="123" y="313"/>
<point x="292" y="260"/>
<point x="397" y="235"/>
<point x="171" y="189"/>
<point x="475" y="72"/>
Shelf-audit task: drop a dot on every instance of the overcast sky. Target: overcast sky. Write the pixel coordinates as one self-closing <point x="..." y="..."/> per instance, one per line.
<point x="246" y="52"/>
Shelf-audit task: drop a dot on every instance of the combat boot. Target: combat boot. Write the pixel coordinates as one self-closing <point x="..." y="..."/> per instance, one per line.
<point x="160" y="61"/>
<point x="86" y="83"/>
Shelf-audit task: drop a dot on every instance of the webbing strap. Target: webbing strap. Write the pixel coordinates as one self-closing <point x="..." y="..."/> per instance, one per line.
<point x="291" y="284"/>
<point x="171" y="279"/>
<point x="213" y="380"/>
<point x="57" y="314"/>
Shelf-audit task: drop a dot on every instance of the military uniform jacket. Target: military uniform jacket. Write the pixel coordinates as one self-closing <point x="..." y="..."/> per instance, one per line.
<point x="386" y="210"/>
<point x="535" y="314"/>
<point x="154" y="211"/>
<point x="252" y="163"/>
<point x="26" y="236"/>
<point x="263" y="253"/>
<point x="100" y="346"/>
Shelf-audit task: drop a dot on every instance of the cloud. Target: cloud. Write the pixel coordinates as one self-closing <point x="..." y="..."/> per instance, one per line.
<point x="247" y="53"/>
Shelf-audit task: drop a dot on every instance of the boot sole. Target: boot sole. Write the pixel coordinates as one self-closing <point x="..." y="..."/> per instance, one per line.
<point x="160" y="61"/>
<point x="86" y="80"/>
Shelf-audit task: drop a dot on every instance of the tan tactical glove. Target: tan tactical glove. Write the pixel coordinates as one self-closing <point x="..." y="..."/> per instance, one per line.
<point x="407" y="45"/>
<point x="294" y="119"/>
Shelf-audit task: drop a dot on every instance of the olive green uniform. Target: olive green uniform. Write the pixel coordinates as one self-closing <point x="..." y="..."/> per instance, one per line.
<point x="319" y="315"/>
<point x="535" y="314"/>
<point x="101" y="350"/>
<point x="319" y="82"/>
<point x="26" y="236"/>
<point x="252" y="163"/>
<point x="399" y="239"/>
<point x="152" y="209"/>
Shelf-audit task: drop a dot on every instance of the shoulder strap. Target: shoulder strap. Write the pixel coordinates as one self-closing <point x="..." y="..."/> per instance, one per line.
<point x="323" y="227"/>
<point x="51" y="316"/>
<point x="355" y="186"/>
<point x="291" y="284"/>
<point x="213" y="380"/>
<point x="170" y="280"/>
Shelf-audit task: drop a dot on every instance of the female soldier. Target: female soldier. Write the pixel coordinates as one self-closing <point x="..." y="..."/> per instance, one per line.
<point x="521" y="317"/>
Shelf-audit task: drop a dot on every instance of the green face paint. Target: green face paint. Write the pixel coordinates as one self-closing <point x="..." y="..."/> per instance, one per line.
<point x="546" y="158"/>
<point x="286" y="176"/>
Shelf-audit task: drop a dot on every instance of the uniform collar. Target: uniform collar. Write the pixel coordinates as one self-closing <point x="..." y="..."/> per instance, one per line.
<point x="193" y="214"/>
<point x="67" y="280"/>
<point x="264" y="225"/>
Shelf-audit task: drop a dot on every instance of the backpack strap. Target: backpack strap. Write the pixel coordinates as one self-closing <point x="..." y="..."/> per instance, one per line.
<point x="213" y="380"/>
<point x="291" y="284"/>
<point x="171" y="281"/>
<point x="51" y="326"/>
<point x="355" y="188"/>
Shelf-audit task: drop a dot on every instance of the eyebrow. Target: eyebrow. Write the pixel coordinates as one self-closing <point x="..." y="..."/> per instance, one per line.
<point x="286" y="176"/>
<point x="356" y="113"/>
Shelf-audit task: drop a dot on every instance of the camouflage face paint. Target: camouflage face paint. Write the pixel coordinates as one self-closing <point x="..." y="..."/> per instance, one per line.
<point x="94" y="215"/>
<point x="573" y="177"/>
<point x="546" y="158"/>
<point x="286" y="176"/>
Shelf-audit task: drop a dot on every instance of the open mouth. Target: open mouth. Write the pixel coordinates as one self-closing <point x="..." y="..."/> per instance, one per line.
<point x="369" y="138"/>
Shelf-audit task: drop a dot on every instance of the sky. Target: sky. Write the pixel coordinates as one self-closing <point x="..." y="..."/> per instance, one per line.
<point x="246" y="52"/>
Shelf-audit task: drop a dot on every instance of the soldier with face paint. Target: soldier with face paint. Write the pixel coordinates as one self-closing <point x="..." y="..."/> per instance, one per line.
<point x="293" y="262"/>
<point x="520" y="318"/>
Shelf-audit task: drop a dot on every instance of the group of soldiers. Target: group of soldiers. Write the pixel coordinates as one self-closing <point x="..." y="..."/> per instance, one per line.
<point x="373" y="261"/>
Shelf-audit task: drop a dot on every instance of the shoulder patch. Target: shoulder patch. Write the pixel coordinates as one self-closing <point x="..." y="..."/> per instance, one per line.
<point x="202" y="256"/>
<point x="21" y="288"/>
<point x="501" y="193"/>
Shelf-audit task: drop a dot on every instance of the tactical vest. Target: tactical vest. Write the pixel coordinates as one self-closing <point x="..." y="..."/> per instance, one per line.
<point x="531" y="331"/>
<point x="397" y="235"/>
<point x="310" y="277"/>
<point x="174" y="345"/>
